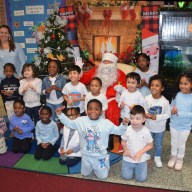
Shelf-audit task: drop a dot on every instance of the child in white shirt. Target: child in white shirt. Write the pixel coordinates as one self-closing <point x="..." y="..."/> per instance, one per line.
<point x="75" y="91"/>
<point x="95" y="93"/>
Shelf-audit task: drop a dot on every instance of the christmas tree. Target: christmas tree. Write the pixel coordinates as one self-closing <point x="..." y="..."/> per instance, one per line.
<point x="52" y="42"/>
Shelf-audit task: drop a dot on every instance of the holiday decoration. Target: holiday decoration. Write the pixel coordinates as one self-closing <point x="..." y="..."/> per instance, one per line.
<point x="124" y="10"/>
<point x="132" y="12"/>
<point x="52" y="41"/>
<point x="107" y="15"/>
<point x="87" y="15"/>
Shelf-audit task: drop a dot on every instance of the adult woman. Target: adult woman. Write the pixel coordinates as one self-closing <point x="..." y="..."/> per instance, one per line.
<point x="10" y="52"/>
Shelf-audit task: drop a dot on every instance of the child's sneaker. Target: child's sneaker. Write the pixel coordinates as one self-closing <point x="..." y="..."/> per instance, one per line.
<point x="148" y="156"/>
<point x="171" y="162"/>
<point x="120" y="150"/>
<point x="158" y="162"/>
<point x="179" y="164"/>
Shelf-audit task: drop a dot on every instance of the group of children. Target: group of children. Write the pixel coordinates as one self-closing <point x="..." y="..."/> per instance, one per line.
<point x="85" y="133"/>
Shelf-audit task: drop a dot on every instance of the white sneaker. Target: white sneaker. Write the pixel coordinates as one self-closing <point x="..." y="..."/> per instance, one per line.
<point x="172" y="161"/>
<point x="148" y="156"/>
<point x="158" y="162"/>
<point x="179" y="164"/>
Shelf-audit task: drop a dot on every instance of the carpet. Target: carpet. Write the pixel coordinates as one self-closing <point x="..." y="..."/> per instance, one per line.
<point x="25" y="181"/>
<point x="28" y="162"/>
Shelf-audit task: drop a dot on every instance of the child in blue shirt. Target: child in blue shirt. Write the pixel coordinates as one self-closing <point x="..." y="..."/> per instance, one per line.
<point x="180" y="121"/>
<point x="22" y="126"/>
<point x="93" y="132"/>
<point x="47" y="134"/>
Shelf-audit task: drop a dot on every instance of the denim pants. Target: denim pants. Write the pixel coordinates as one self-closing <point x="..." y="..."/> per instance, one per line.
<point x="128" y="170"/>
<point x="53" y="108"/>
<point x="158" y="142"/>
<point x="33" y="113"/>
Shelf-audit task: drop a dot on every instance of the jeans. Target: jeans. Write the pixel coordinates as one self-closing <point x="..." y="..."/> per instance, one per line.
<point x="178" y="142"/>
<point x="53" y="108"/>
<point x="129" y="169"/>
<point x="33" y="113"/>
<point x="158" y="142"/>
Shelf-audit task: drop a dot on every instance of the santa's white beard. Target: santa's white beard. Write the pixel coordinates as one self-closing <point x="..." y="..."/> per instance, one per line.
<point x="107" y="73"/>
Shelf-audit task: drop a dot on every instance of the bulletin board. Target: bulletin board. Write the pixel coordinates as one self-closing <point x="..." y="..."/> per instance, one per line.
<point x="22" y="15"/>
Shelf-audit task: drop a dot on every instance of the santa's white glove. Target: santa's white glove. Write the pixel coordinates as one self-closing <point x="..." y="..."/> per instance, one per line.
<point x="78" y="61"/>
<point x="119" y="88"/>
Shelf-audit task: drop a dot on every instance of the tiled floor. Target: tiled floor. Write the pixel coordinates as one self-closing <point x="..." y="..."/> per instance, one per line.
<point x="159" y="177"/>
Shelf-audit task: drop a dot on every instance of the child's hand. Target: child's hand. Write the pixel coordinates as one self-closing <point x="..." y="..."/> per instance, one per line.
<point x="143" y="83"/>
<point x="137" y="156"/>
<point x="20" y="131"/>
<point x="125" y="121"/>
<point x="122" y="105"/>
<point x="16" y="128"/>
<point x="30" y="85"/>
<point x="174" y="110"/>
<point x="61" y="151"/>
<point x="148" y="115"/>
<point x="48" y="90"/>
<point x="70" y="102"/>
<point x="59" y="110"/>
<point x="153" y="117"/>
<point x="127" y="153"/>
<point x="26" y="88"/>
<point x="53" y="87"/>
<point x="45" y="145"/>
<point x="69" y="151"/>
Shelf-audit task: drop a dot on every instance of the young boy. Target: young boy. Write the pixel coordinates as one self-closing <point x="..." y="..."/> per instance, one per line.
<point x="9" y="88"/>
<point x="130" y="97"/>
<point x="136" y="141"/>
<point x="75" y="91"/>
<point x="93" y="132"/>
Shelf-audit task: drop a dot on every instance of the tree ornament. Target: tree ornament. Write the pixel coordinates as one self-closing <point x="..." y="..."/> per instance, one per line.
<point x="53" y="36"/>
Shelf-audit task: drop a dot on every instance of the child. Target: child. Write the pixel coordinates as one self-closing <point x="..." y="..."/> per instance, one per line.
<point x="180" y="121"/>
<point x="47" y="134"/>
<point x="130" y="97"/>
<point x="52" y="87"/>
<point x="93" y="133"/>
<point x="157" y="112"/>
<point x="3" y="129"/>
<point x="143" y="61"/>
<point x="69" y="150"/>
<point x="9" y="88"/>
<point x="22" y="126"/>
<point x="75" y="91"/>
<point x="30" y="88"/>
<point x="95" y="93"/>
<point x="136" y="141"/>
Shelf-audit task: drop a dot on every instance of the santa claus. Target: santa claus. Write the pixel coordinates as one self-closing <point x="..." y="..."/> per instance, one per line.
<point x="111" y="77"/>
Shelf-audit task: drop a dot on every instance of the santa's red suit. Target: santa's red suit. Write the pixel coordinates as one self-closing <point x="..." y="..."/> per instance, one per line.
<point x="113" y="111"/>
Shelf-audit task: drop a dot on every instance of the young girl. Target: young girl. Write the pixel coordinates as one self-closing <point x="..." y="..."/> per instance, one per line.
<point x="9" y="88"/>
<point x="22" y="126"/>
<point x="180" y="121"/>
<point x="157" y="112"/>
<point x="3" y="129"/>
<point x="47" y="134"/>
<point x="95" y="93"/>
<point x="143" y="61"/>
<point x="52" y="87"/>
<point x="30" y="88"/>
<point x="69" y="150"/>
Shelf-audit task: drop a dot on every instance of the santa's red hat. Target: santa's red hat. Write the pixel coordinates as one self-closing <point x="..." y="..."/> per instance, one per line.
<point x="110" y="57"/>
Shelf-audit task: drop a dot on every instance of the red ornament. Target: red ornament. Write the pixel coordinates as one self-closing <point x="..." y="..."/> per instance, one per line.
<point x="53" y="36"/>
<point x="41" y="50"/>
